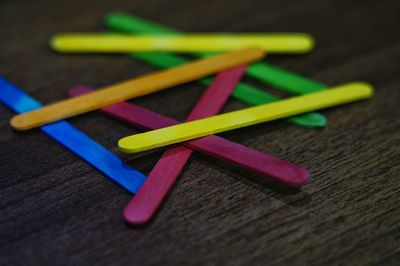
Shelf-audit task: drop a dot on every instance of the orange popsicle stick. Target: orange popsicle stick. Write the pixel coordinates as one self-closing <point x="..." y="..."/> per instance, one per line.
<point x="134" y="88"/>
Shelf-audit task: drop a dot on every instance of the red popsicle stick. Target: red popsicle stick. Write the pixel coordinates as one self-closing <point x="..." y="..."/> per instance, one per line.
<point x="266" y="164"/>
<point x="161" y="178"/>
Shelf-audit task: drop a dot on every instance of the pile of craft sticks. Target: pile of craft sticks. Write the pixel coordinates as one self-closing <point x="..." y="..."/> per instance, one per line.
<point x="226" y="56"/>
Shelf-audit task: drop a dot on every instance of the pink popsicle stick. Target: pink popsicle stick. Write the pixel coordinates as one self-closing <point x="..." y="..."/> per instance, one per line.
<point x="265" y="164"/>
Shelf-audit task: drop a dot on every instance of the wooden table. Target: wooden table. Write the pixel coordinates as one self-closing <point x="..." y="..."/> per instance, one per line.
<point x="57" y="210"/>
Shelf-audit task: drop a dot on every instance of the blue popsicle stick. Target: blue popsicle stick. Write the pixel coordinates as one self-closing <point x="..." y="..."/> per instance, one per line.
<point x="75" y="140"/>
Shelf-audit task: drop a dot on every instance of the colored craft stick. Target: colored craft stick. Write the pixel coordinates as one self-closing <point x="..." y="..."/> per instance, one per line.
<point x="134" y="88"/>
<point x="205" y="42"/>
<point x="163" y="175"/>
<point x="265" y="164"/>
<point x="76" y="141"/>
<point x="284" y="80"/>
<point x="246" y="117"/>
<point x="266" y="73"/>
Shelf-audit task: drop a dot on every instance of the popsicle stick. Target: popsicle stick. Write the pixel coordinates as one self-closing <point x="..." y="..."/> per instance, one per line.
<point x="265" y="164"/>
<point x="75" y="140"/>
<point x="264" y="72"/>
<point x="163" y="175"/>
<point x="284" y="80"/>
<point x="134" y="88"/>
<point x="149" y="197"/>
<point x="246" y="117"/>
<point x="205" y="42"/>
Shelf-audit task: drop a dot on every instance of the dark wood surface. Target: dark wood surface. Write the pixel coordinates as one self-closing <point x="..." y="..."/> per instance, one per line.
<point x="57" y="210"/>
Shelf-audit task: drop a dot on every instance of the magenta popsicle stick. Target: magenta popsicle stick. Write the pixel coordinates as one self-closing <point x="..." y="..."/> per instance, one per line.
<point x="263" y="163"/>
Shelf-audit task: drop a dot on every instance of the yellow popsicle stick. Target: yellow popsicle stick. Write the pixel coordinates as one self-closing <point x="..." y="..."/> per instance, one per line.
<point x="246" y="117"/>
<point x="111" y="43"/>
<point x="134" y="88"/>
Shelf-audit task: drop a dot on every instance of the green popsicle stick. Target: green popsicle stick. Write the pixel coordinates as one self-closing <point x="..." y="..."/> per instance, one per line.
<point x="264" y="72"/>
<point x="284" y="80"/>
<point x="244" y="92"/>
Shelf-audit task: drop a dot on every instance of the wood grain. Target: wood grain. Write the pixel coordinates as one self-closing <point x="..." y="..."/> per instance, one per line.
<point x="57" y="210"/>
